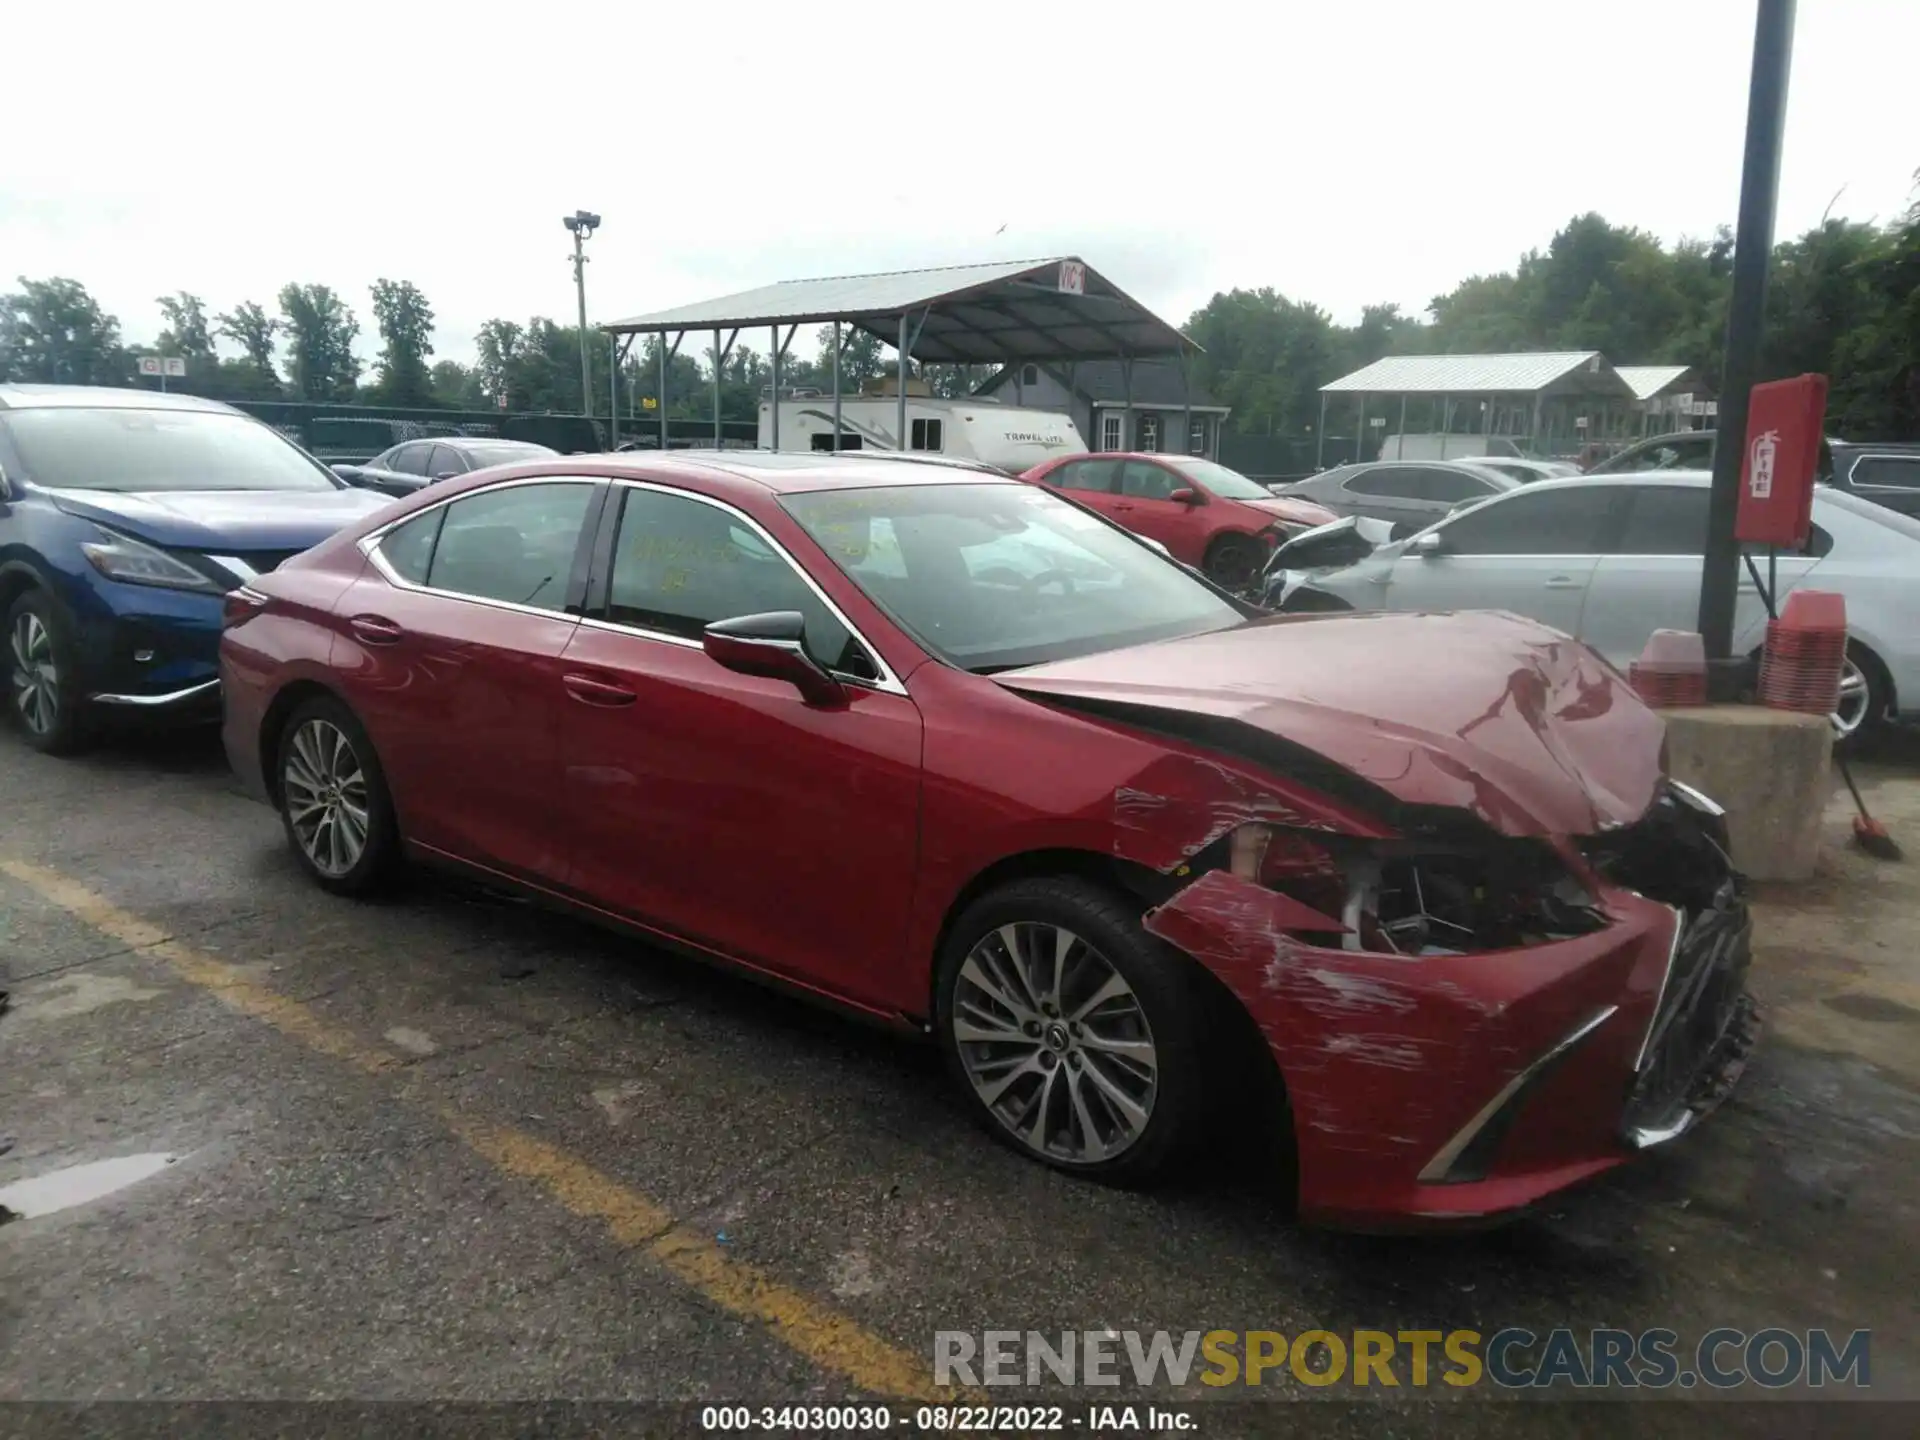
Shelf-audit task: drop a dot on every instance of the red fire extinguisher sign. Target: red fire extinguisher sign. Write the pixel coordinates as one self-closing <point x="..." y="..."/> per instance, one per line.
<point x="1784" y="423"/>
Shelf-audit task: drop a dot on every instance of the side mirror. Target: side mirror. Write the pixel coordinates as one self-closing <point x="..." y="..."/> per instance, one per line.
<point x="348" y="473"/>
<point x="1185" y="496"/>
<point x="1428" y="544"/>
<point x="773" y="645"/>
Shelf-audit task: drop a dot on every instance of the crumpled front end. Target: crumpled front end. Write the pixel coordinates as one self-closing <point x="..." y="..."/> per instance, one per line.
<point x="1466" y="1026"/>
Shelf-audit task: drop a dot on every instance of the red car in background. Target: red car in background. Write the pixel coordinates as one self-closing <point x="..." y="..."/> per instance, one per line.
<point x="1209" y="517"/>
<point x="949" y="751"/>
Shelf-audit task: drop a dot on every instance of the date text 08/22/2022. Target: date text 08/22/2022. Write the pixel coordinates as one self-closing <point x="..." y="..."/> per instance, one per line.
<point x="948" y="1419"/>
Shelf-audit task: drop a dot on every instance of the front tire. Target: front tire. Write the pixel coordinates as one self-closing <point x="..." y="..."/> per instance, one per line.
<point x="1074" y="1034"/>
<point x="1233" y="562"/>
<point x="43" y="677"/>
<point x="334" y="801"/>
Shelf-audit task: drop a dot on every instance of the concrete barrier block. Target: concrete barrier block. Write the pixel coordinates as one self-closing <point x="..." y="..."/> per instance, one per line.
<point x="1772" y="772"/>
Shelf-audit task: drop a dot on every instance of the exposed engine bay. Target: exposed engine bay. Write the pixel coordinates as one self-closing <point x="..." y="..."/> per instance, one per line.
<point x="1412" y="898"/>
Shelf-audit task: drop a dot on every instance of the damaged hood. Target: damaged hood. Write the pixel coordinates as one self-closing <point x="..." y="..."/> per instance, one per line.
<point x="1480" y="711"/>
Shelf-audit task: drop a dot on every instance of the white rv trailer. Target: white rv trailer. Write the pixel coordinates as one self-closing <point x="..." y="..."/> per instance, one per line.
<point x="975" y="428"/>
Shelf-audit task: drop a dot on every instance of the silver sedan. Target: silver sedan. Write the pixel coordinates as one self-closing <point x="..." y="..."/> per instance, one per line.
<point x="1610" y="559"/>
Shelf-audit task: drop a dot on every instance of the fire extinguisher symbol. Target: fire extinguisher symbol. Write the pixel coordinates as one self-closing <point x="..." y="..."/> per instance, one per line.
<point x="1760" y="467"/>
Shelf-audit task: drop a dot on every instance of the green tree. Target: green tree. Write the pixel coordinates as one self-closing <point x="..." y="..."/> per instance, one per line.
<point x="54" y="332"/>
<point x="188" y="332"/>
<point x="405" y="322"/>
<point x="250" y="327"/>
<point x="320" y="332"/>
<point x="1267" y="357"/>
<point x="457" y="386"/>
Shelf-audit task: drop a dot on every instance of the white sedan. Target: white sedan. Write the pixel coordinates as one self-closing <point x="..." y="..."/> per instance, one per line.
<point x="1610" y="559"/>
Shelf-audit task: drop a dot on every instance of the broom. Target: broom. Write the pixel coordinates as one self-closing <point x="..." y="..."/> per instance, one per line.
<point x="1868" y="833"/>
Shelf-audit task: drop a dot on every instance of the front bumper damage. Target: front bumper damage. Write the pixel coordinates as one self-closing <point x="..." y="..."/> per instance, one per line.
<point x="1463" y="1084"/>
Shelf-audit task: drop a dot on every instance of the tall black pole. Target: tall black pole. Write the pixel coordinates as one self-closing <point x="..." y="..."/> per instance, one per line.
<point x="1746" y="315"/>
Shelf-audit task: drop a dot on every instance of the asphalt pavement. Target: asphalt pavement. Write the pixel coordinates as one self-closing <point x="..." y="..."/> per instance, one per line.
<point x="450" y="1148"/>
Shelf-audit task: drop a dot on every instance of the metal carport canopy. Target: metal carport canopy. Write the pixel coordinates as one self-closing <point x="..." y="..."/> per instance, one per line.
<point x="998" y="314"/>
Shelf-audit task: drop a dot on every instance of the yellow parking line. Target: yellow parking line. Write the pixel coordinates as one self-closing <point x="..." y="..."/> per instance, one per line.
<point x="833" y="1341"/>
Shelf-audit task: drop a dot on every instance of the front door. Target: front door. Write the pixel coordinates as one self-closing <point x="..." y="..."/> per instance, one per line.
<point x="449" y="652"/>
<point x="1143" y="507"/>
<point x="1532" y="552"/>
<point x="722" y="807"/>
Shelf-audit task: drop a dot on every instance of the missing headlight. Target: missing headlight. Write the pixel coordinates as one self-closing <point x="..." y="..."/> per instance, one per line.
<point x="1405" y="899"/>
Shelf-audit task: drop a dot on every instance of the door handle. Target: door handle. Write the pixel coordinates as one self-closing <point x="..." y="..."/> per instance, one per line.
<point x="597" y="692"/>
<point x="1562" y="582"/>
<point x="373" y="630"/>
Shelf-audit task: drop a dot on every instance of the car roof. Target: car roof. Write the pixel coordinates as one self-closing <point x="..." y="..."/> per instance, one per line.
<point x="742" y="472"/>
<point x="102" y="397"/>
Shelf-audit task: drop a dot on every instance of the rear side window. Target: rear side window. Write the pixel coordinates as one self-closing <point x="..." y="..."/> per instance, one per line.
<point x="1666" y="520"/>
<point x="1537" y="522"/>
<point x="1896" y="472"/>
<point x="446" y="461"/>
<point x="516" y="544"/>
<point x="1096" y="476"/>
<point x="408" y="548"/>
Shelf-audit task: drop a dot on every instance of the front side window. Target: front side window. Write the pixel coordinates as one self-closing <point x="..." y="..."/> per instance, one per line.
<point x="995" y="576"/>
<point x="1143" y="480"/>
<point x="679" y="564"/>
<point x="1450" y="487"/>
<point x="446" y="462"/>
<point x="515" y="544"/>
<point x="137" y="450"/>
<point x="1536" y="522"/>
<point x="1392" y="483"/>
<point x="408" y="459"/>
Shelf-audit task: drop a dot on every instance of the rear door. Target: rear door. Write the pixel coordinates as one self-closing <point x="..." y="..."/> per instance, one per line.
<point x="1532" y="552"/>
<point x="1651" y="580"/>
<point x="1094" y="483"/>
<point x="449" y="649"/>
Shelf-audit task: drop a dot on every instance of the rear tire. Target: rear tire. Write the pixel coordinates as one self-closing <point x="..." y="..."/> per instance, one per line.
<point x="1866" y="697"/>
<point x="1074" y="1034"/>
<point x="43" y="691"/>
<point x="334" y="801"/>
<point x="1233" y="562"/>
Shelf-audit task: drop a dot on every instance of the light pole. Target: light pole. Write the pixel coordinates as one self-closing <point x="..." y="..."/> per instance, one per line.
<point x="582" y="223"/>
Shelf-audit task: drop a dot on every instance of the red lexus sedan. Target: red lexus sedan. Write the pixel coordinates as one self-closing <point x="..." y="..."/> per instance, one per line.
<point x="1209" y="517"/>
<point x="943" y="748"/>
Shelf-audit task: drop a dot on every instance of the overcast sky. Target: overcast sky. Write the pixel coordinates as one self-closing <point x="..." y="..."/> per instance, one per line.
<point x="1342" y="153"/>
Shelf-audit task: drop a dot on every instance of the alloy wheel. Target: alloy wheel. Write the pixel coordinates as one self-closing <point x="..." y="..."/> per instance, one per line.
<point x="1055" y="1042"/>
<point x="1855" y="695"/>
<point x="325" y="790"/>
<point x="36" y="679"/>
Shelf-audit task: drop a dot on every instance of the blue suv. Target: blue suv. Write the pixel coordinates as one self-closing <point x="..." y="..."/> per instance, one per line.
<point x="125" y="518"/>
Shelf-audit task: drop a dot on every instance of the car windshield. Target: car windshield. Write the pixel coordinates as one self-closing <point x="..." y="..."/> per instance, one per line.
<point x="995" y="576"/>
<point x="1227" y="484"/>
<point x="67" y="448"/>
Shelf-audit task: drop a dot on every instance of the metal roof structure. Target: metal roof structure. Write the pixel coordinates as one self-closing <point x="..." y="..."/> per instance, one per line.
<point x="1647" y="381"/>
<point x="1560" y="372"/>
<point x="1004" y="313"/>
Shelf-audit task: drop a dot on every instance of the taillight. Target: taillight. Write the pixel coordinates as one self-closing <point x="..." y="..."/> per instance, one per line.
<point x="240" y="606"/>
